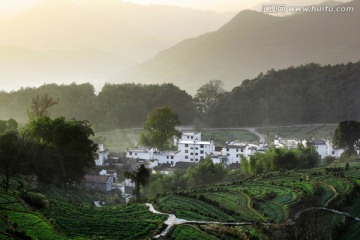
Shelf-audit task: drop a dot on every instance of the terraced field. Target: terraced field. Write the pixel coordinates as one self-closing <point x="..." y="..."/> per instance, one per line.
<point x="268" y="200"/>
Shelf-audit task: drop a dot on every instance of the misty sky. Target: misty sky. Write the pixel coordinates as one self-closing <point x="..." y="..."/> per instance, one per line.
<point x="10" y="7"/>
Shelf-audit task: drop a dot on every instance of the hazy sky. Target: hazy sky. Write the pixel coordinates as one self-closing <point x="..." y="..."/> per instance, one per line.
<point x="10" y="7"/>
<point x="217" y="5"/>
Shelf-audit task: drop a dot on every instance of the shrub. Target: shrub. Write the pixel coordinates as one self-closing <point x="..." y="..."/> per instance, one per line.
<point x="36" y="200"/>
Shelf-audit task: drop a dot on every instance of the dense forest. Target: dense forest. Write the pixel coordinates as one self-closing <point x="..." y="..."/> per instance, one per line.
<point x="116" y="106"/>
<point x="297" y="95"/>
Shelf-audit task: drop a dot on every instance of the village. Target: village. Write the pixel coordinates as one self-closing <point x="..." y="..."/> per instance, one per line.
<point x="188" y="150"/>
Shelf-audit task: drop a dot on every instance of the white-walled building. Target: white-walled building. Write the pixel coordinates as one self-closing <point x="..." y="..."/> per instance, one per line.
<point x="142" y="153"/>
<point x="102" y="155"/>
<point x="167" y="157"/>
<point x="192" y="149"/>
<point x="324" y="148"/>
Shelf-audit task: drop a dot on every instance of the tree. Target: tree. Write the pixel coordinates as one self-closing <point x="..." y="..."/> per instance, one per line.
<point x="11" y="156"/>
<point x="160" y="127"/>
<point x="71" y="139"/>
<point x="12" y="125"/>
<point x="40" y="105"/>
<point x="207" y="95"/>
<point x="347" y="135"/>
<point x="140" y="177"/>
<point x="206" y="172"/>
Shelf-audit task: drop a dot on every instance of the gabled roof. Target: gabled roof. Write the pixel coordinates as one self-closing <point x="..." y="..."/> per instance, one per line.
<point x="96" y="178"/>
<point x="317" y="142"/>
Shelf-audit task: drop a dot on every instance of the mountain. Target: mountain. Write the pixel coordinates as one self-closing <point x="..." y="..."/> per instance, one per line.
<point x="65" y="41"/>
<point x="253" y="42"/>
<point x="132" y="30"/>
<point x="295" y="3"/>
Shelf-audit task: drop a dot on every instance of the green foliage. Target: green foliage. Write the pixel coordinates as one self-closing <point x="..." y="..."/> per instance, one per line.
<point x="206" y="172"/>
<point x="160" y="127"/>
<point x="9" y="125"/>
<point x="347" y="135"/>
<point x="185" y="232"/>
<point x="70" y="139"/>
<point x="12" y="157"/>
<point x="281" y="159"/>
<point x="207" y="95"/>
<point x="140" y="177"/>
<point x="296" y="95"/>
<point x="116" y="106"/>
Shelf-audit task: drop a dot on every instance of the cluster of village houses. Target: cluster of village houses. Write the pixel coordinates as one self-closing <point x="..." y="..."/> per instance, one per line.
<point x="190" y="148"/>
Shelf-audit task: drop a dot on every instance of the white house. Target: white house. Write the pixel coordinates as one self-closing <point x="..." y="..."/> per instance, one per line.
<point x="167" y="157"/>
<point x="100" y="183"/>
<point x="143" y="153"/>
<point x="102" y="155"/>
<point x="324" y="148"/>
<point x="192" y="149"/>
<point x="234" y="150"/>
<point x="108" y="173"/>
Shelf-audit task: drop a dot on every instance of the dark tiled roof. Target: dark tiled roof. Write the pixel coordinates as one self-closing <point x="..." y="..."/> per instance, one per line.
<point x="96" y="178"/>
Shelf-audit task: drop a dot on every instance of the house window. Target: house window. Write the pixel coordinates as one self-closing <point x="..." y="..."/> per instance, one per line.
<point x="186" y="145"/>
<point x="130" y="153"/>
<point x="237" y="150"/>
<point x="196" y="148"/>
<point x="191" y="153"/>
<point x="227" y="149"/>
<point x="201" y="152"/>
<point x="186" y="151"/>
<point x="191" y="137"/>
<point x="172" y="157"/>
<point x="242" y="150"/>
<point x="196" y="154"/>
<point x="186" y="157"/>
<point x="135" y="154"/>
<point x="191" y="148"/>
<point x="228" y="154"/>
<point x="167" y="157"/>
<point x="201" y="145"/>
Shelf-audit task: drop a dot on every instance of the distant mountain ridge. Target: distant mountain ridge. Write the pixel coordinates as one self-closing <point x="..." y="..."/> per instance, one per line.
<point x="254" y="42"/>
<point x="63" y="41"/>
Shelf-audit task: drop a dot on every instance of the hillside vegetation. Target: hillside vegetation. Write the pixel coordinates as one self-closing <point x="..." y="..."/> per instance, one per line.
<point x="271" y="199"/>
<point x="298" y="95"/>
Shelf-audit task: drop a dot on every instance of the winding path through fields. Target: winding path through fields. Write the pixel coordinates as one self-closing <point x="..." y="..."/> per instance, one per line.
<point x="173" y="220"/>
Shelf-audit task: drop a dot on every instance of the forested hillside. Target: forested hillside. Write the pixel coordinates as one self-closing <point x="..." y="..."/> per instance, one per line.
<point x="254" y="42"/>
<point x="297" y="95"/>
<point x="116" y="106"/>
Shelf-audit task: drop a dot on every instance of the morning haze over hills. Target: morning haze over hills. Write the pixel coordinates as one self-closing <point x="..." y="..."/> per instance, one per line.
<point x="253" y="42"/>
<point x="107" y="41"/>
<point x="90" y="40"/>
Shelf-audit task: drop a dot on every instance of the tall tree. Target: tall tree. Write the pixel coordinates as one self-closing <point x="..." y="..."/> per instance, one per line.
<point x="140" y="177"/>
<point x="11" y="156"/>
<point x="207" y="95"/>
<point x="40" y="106"/>
<point x="71" y="139"/>
<point x="347" y="135"/>
<point x="160" y="127"/>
